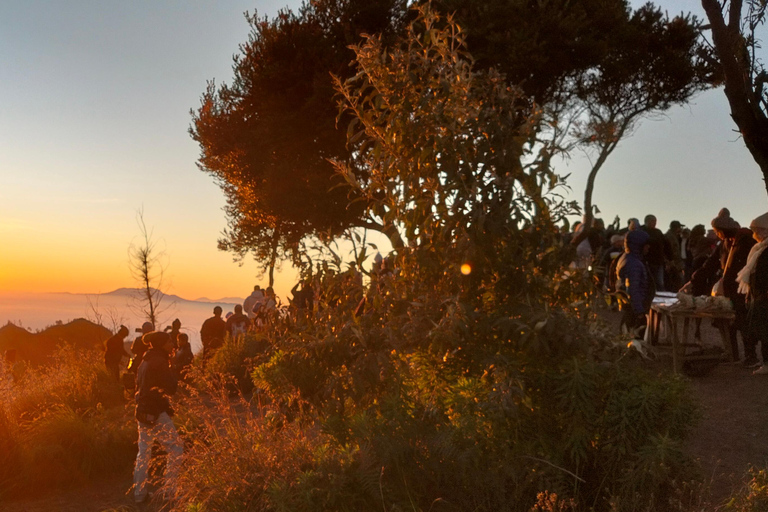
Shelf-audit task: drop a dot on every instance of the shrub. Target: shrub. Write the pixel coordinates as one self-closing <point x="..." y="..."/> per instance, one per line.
<point x="63" y="423"/>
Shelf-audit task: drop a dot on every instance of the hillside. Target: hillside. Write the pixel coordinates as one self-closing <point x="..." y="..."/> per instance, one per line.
<point x="36" y="347"/>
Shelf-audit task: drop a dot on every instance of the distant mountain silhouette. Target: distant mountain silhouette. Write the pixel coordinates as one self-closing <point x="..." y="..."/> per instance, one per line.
<point x="223" y="300"/>
<point x="136" y="293"/>
<point x="36" y="347"/>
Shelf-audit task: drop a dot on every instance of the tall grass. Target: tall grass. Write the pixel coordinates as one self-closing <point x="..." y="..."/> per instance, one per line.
<point x="62" y="423"/>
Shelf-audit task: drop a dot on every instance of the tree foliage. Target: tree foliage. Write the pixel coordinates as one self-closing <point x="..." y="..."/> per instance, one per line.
<point x="268" y="138"/>
<point x="654" y="63"/>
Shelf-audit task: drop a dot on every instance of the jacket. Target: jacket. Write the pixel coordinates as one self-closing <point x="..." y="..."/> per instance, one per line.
<point x="634" y="274"/>
<point x="155" y="382"/>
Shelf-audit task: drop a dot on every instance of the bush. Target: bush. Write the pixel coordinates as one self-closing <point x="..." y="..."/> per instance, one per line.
<point x="63" y="423"/>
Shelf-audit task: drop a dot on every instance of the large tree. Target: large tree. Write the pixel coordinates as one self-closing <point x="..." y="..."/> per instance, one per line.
<point x="734" y="25"/>
<point x="269" y="137"/>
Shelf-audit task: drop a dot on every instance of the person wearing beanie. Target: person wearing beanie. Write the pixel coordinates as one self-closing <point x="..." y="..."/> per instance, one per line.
<point x="155" y="382"/>
<point x="727" y="261"/>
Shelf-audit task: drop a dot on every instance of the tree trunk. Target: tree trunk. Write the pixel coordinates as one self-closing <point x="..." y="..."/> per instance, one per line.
<point x="731" y="51"/>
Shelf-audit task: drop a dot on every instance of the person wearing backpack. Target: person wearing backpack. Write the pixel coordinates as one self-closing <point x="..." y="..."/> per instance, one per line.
<point x="155" y="382"/>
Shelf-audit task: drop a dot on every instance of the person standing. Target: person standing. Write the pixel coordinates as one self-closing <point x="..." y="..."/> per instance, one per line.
<point x="155" y="382"/>
<point x="115" y="351"/>
<point x="238" y="323"/>
<point x="735" y="245"/>
<point x="212" y="333"/>
<point x="753" y="282"/>
<point x="253" y="303"/>
<point x="183" y="356"/>
<point x="675" y="267"/>
<point x="658" y="251"/>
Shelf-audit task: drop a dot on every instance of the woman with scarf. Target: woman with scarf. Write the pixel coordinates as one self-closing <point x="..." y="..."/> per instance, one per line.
<point x="753" y="282"/>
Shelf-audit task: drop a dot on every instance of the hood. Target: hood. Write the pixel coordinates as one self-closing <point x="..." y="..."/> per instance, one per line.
<point x="635" y="241"/>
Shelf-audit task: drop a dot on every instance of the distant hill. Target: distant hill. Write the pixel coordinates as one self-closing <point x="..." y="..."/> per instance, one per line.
<point x="136" y="292"/>
<point x="36" y="347"/>
<point x="223" y="300"/>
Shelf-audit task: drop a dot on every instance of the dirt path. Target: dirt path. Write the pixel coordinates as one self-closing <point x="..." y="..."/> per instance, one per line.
<point x="733" y="432"/>
<point x="105" y="496"/>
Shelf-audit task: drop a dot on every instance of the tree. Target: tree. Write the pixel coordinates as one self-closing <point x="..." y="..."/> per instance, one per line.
<point x="145" y="260"/>
<point x="270" y="136"/>
<point x="735" y="45"/>
<point x="267" y="138"/>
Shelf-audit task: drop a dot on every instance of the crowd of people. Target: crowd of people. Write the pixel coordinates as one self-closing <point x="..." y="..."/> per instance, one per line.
<point x="728" y="260"/>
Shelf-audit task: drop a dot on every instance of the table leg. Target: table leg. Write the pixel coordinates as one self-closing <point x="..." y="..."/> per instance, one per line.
<point x="677" y="357"/>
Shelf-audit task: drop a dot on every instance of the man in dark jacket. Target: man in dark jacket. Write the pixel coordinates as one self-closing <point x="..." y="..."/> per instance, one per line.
<point x="155" y="382"/>
<point x="212" y="333"/>
<point x="115" y="351"/>
<point x="659" y="251"/>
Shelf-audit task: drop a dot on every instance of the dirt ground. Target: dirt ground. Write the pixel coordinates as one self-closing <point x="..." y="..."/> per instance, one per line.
<point x="731" y="436"/>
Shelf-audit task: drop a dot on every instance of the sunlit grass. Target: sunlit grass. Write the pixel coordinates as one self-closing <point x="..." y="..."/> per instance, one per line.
<point x="63" y="423"/>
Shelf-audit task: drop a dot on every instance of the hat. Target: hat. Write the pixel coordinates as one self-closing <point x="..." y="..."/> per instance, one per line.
<point x="759" y="222"/>
<point x="675" y="224"/>
<point x="723" y="221"/>
<point x="156" y="339"/>
<point x="147" y="327"/>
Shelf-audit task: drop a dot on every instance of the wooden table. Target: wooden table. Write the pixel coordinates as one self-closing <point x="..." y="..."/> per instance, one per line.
<point x="669" y="318"/>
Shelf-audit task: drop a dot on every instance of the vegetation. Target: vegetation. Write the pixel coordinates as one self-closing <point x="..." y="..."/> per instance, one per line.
<point x="444" y="390"/>
<point x="61" y="424"/>
<point x="147" y="268"/>
<point x="469" y="374"/>
<point x="592" y="68"/>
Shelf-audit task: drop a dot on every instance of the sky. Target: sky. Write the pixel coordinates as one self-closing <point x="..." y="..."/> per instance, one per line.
<point x="93" y="127"/>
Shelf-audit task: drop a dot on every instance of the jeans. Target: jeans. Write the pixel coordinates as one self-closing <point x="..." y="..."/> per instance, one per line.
<point x="165" y="433"/>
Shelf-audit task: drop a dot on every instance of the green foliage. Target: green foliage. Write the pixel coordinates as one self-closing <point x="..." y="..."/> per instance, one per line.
<point x="234" y="359"/>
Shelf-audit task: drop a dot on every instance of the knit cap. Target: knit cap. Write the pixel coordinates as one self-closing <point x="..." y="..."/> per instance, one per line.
<point x="723" y="221"/>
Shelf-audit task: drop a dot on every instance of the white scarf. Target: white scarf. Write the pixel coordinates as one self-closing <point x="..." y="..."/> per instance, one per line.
<point x="746" y="273"/>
